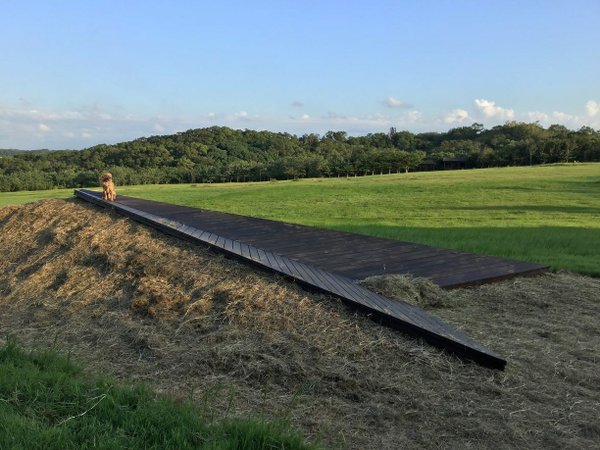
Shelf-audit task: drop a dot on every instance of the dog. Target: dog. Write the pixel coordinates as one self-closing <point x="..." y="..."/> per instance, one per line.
<point x="108" y="187"/>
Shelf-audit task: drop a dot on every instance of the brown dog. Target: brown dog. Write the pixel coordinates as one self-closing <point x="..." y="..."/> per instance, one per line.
<point x="108" y="187"/>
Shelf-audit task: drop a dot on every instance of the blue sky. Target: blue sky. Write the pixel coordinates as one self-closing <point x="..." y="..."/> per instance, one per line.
<point x="79" y="73"/>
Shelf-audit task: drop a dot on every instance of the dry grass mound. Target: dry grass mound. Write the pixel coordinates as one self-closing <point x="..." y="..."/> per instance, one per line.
<point x="126" y="300"/>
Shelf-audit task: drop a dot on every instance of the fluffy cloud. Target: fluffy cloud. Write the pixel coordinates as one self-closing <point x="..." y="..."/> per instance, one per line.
<point x="565" y="118"/>
<point x="330" y="121"/>
<point x="457" y="116"/>
<point x="302" y="117"/>
<point x="352" y="124"/>
<point x="491" y="111"/>
<point x="26" y="126"/>
<point x="537" y="116"/>
<point x="29" y="127"/>
<point x="333" y="120"/>
<point x="411" y="117"/>
<point x="392" y="102"/>
<point x="556" y="117"/>
<point x="592" y="108"/>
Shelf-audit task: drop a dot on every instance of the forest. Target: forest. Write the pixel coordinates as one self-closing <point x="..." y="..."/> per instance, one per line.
<point x="221" y="154"/>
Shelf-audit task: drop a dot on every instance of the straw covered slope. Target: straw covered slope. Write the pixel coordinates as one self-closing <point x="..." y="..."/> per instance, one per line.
<point x="126" y="300"/>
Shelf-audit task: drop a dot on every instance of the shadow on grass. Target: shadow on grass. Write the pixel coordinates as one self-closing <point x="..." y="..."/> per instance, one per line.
<point x="588" y="186"/>
<point x="569" y="248"/>
<point x="526" y="208"/>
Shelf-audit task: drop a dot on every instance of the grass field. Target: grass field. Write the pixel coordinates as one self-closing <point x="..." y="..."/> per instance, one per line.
<point x="545" y="214"/>
<point x="46" y="402"/>
<point x="22" y="197"/>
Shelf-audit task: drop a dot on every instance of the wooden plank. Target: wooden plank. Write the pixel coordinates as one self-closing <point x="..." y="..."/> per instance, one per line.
<point x="254" y="254"/>
<point x="283" y="266"/>
<point x="204" y="235"/>
<point x="275" y="263"/>
<point x="302" y="272"/>
<point x="237" y="248"/>
<point x="212" y="239"/>
<point x="245" y="250"/>
<point x="228" y="245"/>
<point x="262" y="256"/>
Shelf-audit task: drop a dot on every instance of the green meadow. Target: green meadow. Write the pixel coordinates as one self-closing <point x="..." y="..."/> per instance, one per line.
<point x="545" y="214"/>
<point x="22" y="197"/>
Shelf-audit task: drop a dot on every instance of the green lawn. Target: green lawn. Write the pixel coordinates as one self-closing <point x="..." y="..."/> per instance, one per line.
<point x="21" y="197"/>
<point x="546" y="214"/>
<point x="46" y="402"/>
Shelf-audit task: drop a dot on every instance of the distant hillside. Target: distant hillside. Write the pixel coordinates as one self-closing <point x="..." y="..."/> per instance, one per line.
<point x="128" y="301"/>
<point x="12" y="151"/>
<point x="219" y="154"/>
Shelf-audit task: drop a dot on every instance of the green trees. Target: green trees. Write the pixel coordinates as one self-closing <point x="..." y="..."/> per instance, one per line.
<point x="218" y="154"/>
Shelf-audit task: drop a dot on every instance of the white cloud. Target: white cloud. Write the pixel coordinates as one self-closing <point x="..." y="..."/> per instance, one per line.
<point x="354" y="124"/>
<point x="564" y="117"/>
<point x="304" y="117"/>
<point x="457" y="116"/>
<point x="341" y="120"/>
<point x="13" y="112"/>
<point x="393" y="102"/>
<point x="558" y="117"/>
<point x="330" y="121"/>
<point x="592" y="108"/>
<point x="91" y="125"/>
<point x="537" y="116"/>
<point x="574" y="121"/>
<point x="27" y="126"/>
<point x="411" y="117"/>
<point x="491" y="111"/>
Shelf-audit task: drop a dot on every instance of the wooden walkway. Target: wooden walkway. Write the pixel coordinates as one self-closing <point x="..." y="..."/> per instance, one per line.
<point x="352" y="255"/>
<point x="328" y="261"/>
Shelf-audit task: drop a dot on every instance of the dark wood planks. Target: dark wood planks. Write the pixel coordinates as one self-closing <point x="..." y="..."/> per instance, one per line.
<point x="401" y="315"/>
<point x="351" y="255"/>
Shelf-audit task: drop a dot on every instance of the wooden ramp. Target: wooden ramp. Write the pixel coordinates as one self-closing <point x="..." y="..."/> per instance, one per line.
<point x="352" y="255"/>
<point x="318" y="259"/>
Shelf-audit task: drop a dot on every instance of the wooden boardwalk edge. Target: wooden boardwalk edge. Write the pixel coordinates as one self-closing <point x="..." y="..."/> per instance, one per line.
<point x="403" y="316"/>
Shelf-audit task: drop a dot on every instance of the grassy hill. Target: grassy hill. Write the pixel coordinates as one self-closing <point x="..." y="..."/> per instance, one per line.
<point x="125" y="300"/>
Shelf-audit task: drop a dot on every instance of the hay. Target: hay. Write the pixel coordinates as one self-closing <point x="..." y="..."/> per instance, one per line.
<point x="418" y="291"/>
<point x="126" y="300"/>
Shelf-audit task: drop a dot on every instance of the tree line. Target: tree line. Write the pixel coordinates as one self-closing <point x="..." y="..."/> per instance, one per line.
<point x="221" y="154"/>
